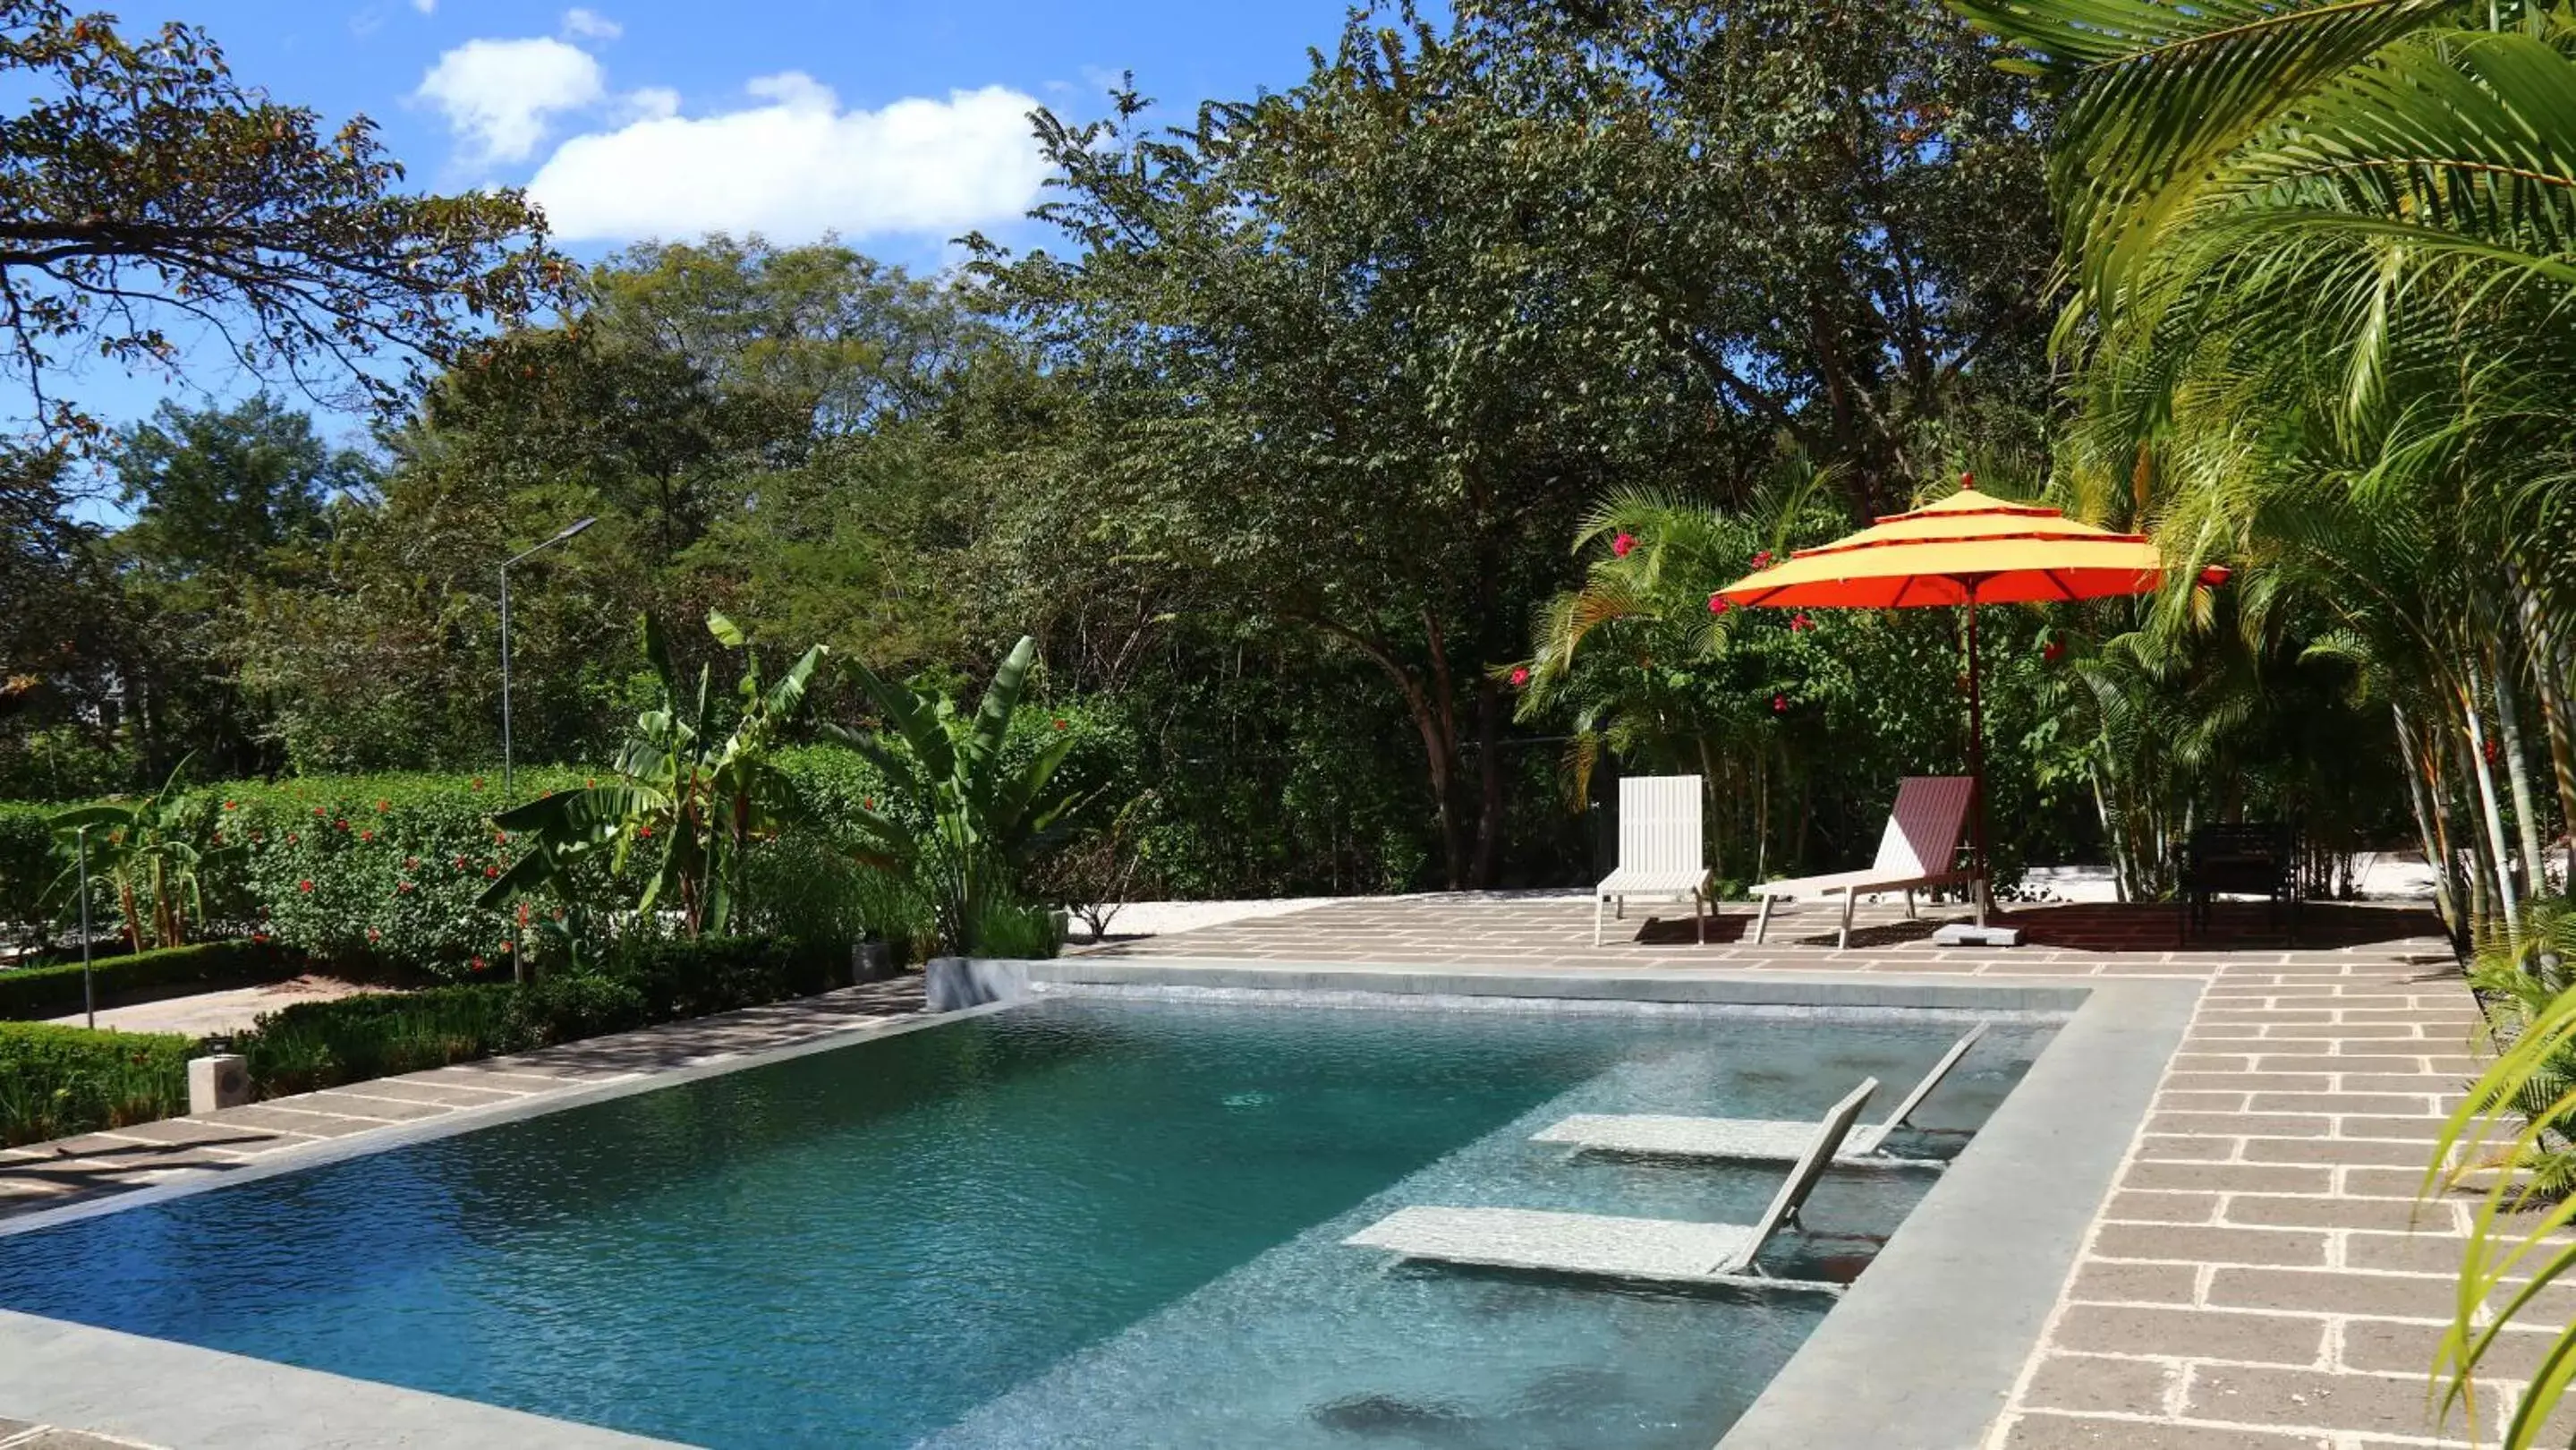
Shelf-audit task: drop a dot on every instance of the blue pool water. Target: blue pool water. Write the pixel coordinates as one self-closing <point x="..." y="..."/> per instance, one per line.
<point x="1086" y="1222"/>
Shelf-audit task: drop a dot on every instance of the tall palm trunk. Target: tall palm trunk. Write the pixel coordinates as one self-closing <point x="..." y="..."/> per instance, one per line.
<point x="2548" y="655"/>
<point x="2517" y="767"/>
<point x="2473" y="761"/>
<point x="2425" y="791"/>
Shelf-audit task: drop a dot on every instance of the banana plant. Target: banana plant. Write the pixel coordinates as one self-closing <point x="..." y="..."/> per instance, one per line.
<point x="696" y="803"/>
<point x="961" y="821"/>
<point x="147" y="849"/>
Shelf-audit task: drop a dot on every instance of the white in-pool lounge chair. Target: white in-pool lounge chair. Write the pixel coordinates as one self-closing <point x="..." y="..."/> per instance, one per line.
<point x="1917" y="853"/>
<point x="1650" y="1249"/>
<point x="1662" y="1136"/>
<point x="1662" y="853"/>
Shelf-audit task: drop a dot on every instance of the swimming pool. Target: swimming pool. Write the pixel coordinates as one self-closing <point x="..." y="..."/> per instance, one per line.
<point x="1074" y="1222"/>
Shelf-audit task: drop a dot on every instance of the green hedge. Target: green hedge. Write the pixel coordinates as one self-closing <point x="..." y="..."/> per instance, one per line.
<point x="55" y="991"/>
<point x="376" y="868"/>
<point x="318" y="1044"/>
<point x="59" y="1081"/>
<point x="385" y="869"/>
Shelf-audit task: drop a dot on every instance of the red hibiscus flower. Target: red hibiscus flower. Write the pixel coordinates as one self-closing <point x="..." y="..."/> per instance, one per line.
<point x="231" y="805"/>
<point x="305" y="885"/>
<point x="1719" y="604"/>
<point x="374" y="935"/>
<point x="1800" y="622"/>
<point x="1622" y="544"/>
<point x="478" y="964"/>
<point x="491" y="873"/>
<point x="2053" y="651"/>
<point x="1520" y="676"/>
<point x="366" y="835"/>
<point x="1762" y="560"/>
<point x="646" y="832"/>
<point x="1779" y="704"/>
<point x="383" y="806"/>
<point x="290" y="838"/>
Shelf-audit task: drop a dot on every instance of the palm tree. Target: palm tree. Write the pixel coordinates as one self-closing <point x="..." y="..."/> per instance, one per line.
<point x="2322" y="263"/>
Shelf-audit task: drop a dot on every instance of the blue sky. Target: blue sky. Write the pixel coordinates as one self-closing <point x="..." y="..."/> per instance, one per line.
<point x="898" y="125"/>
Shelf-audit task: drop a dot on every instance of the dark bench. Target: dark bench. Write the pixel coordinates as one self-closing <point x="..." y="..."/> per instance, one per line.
<point x="2248" y="859"/>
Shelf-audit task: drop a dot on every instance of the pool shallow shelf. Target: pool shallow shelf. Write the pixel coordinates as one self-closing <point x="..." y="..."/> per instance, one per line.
<point x="1072" y="1219"/>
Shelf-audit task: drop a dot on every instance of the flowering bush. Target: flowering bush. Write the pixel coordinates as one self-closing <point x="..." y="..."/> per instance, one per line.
<point x="372" y="868"/>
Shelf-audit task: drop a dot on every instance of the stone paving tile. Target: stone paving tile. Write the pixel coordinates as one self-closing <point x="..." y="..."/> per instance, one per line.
<point x="54" y="1437"/>
<point x="2085" y="1432"/>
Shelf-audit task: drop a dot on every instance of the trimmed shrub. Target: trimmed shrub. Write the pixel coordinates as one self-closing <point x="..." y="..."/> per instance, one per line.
<point x="376" y="1034"/>
<point x="55" y="991"/>
<point x="320" y="1044"/>
<point x="59" y="1081"/>
<point x="717" y="974"/>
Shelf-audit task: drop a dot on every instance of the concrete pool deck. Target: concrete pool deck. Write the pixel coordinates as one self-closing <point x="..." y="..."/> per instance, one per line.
<point x="2257" y="1273"/>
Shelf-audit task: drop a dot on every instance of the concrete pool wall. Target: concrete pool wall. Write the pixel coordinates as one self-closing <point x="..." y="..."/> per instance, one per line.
<point x="1921" y="1352"/>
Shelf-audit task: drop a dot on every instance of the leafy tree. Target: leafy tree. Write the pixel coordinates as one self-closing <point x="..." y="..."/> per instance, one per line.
<point x="142" y="184"/>
<point x="226" y="503"/>
<point x="1358" y="353"/>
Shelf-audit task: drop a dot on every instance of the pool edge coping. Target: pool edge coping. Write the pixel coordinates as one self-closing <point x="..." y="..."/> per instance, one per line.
<point x="1924" y="1351"/>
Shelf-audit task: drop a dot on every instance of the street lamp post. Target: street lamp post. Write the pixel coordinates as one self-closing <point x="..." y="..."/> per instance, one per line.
<point x="89" y="988"/>
<point x="569" y="530"/>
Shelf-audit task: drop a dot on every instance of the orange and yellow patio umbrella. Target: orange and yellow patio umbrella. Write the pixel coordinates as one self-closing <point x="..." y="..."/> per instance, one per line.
<point x="1969" y="549"/>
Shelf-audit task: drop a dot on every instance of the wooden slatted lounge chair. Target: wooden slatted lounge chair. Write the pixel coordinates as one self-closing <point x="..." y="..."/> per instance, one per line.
<point x="1663" y="854"/>
<point x="1649" y="1249"/>
<point x="1917" y="853"/>
<point x="1659" y="1135"/>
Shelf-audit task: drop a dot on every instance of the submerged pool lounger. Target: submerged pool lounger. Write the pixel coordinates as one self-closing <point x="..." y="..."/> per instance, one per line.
<point x="1650" y="1249"/>
<point x="1663" y="1135"/>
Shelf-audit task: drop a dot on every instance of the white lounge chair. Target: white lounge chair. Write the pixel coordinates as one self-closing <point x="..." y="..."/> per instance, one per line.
<point x="1663" y="854"/>
<point x="1918" y="852"/>
<point x="1661" y="1135"/>
<point x="1652" y="1249"/>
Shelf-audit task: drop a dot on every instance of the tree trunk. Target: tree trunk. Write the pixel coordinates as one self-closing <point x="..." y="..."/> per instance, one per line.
<point x="2428" y="825"/>
<point x="2474" y="764"/>
<point x="2517" y="767"/>
<point x="1491" y="807"/>
<point x="2549" y="677"/>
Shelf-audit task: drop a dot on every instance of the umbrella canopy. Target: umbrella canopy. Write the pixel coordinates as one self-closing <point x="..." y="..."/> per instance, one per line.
<point x="1968" y="549"/>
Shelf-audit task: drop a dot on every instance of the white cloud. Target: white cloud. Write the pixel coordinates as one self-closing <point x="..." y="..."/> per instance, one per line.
<point x="797" y="167"/>
<point x="498" y="93"/>
<point x="425" y="7"/>
<point x="586" y="24"/>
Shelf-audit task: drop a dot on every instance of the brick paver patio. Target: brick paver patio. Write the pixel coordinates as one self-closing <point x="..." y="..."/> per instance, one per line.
<point x="2261" y="1276"/>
